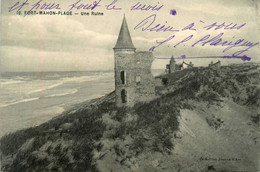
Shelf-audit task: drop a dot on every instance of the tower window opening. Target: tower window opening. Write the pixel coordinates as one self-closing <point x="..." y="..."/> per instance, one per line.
<point x="123" y="77"/>
<point x="138" y="79"/>
<point x="123" y="96"/>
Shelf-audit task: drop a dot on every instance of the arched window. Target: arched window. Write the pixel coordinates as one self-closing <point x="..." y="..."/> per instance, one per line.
<point x="123" y="77"/>
<point x="123" y="96"/>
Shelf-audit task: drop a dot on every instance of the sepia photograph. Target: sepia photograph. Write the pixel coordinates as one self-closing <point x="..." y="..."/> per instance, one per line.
<point x="129" y="85"/>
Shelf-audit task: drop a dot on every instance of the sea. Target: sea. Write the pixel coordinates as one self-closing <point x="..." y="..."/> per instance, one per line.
<point x="31" y="98"/>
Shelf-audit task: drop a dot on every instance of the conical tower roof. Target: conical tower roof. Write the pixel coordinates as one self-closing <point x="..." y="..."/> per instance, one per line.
<point x="172" y="60"/>
<point x="124" y="40"/>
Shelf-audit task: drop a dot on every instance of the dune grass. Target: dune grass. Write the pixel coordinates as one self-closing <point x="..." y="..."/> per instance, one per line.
<point x="152" y="128"/>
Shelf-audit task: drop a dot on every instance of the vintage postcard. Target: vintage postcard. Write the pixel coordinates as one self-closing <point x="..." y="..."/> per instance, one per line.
<point x="129" y="85"/>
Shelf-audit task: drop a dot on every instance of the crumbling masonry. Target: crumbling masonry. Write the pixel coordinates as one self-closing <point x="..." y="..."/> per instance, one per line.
<point x="133" y="79"/>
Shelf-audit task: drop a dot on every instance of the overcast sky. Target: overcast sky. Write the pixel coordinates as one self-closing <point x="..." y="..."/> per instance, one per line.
<point x="61" y="43"/>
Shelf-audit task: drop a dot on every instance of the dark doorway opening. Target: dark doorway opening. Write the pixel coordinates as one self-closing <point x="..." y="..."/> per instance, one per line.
<point x="123" y="96"/>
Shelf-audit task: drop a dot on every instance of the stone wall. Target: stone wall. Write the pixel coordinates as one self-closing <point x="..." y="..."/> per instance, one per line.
<point x="139" y="83"/>
<point x="145" y="89"/>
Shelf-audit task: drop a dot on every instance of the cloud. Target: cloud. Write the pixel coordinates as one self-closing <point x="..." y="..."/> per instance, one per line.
<point x="55" y="34"/>
<point x="29" y="59"/>
<point x="85" y="43"/>
<point x="53" y="44"/>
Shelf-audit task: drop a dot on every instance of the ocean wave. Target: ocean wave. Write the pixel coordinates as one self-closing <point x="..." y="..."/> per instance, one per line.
<point x="18" y="101"/>
<point x="80" y="79"/>
<point x="72" y="91"/>
<point x="46" y="88"/>
<point x="9" y="82"/>
<point x="66" y="80"/>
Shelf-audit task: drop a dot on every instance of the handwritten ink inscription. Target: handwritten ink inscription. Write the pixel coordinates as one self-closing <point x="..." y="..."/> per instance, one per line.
<point x="112" y="6"/>
<point x="149" y="24"/>
<point x="83" y="5"/>
<point x="90" y="6"/>
<point x="38" y="5"/>
<point x="144" y="7"/>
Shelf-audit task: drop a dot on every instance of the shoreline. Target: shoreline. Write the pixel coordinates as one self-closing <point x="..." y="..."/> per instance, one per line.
<point x="198" y="108"/>
<point x="53" y="112"/>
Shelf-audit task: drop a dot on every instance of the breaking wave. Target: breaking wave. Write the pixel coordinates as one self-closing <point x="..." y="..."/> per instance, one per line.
<point x="18" y="101"/>
<point x="46" y="88"/>
<point x="71" y="91"/>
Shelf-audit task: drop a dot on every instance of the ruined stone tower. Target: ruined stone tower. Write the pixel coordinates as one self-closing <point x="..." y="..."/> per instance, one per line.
<point x="133" y="79"/>
<point x="172" y="65"/>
